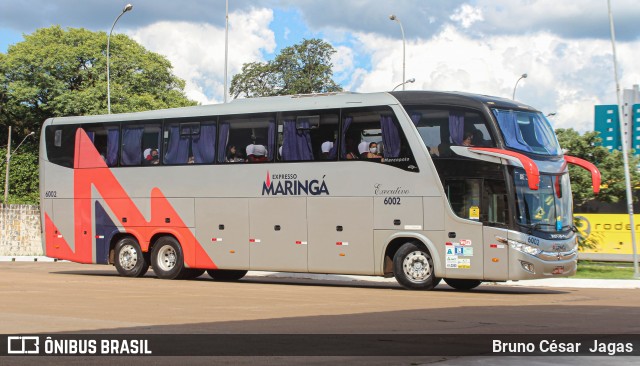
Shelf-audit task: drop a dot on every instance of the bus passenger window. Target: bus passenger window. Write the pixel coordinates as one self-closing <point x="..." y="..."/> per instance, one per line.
<point x="247" y="138"/>
<point x="187" y="143"/>
<point x="61" y="142"/>
<point x="442" y="128"/>
<point x="106" y="139"/>
<point x="374" y="134"/>
<point x="309" y="135"/>
<point x="136" y="139"/>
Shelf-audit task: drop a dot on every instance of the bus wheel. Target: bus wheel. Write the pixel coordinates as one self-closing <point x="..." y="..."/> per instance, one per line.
<point x="226" y="274"/>
<point x="462" y="284"/>
<point x="130" y="261"/>
<point x="167" y="259"/>
<point x="413" y="268"/>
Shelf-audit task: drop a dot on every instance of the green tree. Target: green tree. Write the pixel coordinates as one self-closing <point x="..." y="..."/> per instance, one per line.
<point x="303" y="68"/>
<point x="588" y="147"/>
<point x="62" y="72"/>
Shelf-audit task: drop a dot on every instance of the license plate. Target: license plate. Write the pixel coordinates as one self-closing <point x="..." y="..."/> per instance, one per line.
<point x="558" y="270"/>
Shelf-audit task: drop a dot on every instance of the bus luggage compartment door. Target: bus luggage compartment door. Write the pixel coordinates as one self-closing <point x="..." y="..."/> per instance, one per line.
<point x="222" y="228"/>
<point x="341" y="235"/>
<point x="278" y="234"/>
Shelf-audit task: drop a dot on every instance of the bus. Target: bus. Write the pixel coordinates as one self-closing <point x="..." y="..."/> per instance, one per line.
<point x="416" y="185"/>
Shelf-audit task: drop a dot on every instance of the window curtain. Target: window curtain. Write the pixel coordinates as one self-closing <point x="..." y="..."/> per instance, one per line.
<point x="415" y="118"/>
<point x="456" y="127"/>
<point x="223" y="138"/>
<point x="132" y="145"/>
<point x="113" y="139"/>
<point x="346" y="123"/>
<point x="510" y="130"/>
<point x="296" y="144"/>
<point x="92" y="136"/>
<point x="390" y="137"/>
<point x="271" y="139"/>
<point x="204" y="145"/>
<point x="177" y="148"/>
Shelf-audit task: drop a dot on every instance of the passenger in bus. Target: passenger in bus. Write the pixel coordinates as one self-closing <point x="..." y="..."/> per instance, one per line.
<point x="363" y="149"/>
<point x="155" y="158"/>
<point x="351" y="149"/>
<point x="233" y="155"/>
<point x="258" y="154"/>
<point x="326" y="149"/>
<point x="373" y="151"/>
<point x="191" y="160"/>
<point x="468" y="139"/>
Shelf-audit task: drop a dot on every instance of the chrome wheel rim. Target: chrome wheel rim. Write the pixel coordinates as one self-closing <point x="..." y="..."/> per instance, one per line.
<point x="416" y="267"/>
<point x="166" y="258"/>
<point x="128" y="257"/>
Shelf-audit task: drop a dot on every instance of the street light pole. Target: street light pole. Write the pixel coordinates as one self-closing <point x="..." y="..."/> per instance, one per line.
<point x="395" y="18"/>
<point x="126" y="9"/>
<point x="523" y="76"/>
<point x="625" y="157"/>
<point x="6" y="177"/>
<point x="226" y="47"/>
<point x="412" y="80"/>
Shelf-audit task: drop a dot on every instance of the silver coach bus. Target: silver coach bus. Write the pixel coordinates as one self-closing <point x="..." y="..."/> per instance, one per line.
<point x="418" y="185"/>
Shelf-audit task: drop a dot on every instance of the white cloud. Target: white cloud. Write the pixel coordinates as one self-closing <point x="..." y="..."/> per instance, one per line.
<point x="196" y="50"/>
<point x="565" y="76"/>
<point x="466" y="15"/>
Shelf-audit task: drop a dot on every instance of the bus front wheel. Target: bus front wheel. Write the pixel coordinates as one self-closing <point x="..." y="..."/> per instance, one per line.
<point x="226" y="274"/>
<point x="463" y="285"/>
<point x="413" y="268"/>
<point x="167" y="258"/>
<point x="129" y="259"/>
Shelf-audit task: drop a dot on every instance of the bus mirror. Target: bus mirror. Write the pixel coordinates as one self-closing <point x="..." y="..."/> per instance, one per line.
<point x="596" y="178"/>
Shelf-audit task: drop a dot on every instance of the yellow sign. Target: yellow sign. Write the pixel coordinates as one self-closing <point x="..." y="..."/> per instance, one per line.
<point x="474" y="213"/>
<point x="611" y="232"/>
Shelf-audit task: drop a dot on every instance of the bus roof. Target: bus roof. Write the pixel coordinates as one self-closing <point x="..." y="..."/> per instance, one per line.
<point x="458" y="99"/>
<point x="303" y="102"/>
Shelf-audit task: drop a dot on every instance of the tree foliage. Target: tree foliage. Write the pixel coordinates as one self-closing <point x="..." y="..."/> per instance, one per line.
<point x="56" y="72"/>
<point x="303" y="68"/>
<point x="609" y="163"/>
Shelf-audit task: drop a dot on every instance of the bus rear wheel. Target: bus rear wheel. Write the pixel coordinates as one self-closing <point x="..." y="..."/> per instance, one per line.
<point x="167" y="259"/>
<point x="413" y="268"/>
<point x="129" y="259"/>
<point x="463" y="285"/>
<point x="226" y="274"/>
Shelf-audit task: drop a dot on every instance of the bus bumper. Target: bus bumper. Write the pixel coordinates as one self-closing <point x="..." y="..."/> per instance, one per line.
<point x="523" y="266"/>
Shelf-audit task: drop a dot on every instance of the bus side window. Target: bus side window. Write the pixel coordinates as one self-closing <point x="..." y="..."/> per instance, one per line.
<point x="374" y="134"/>
<point x="61" y="141"/>
<point x="247" y="138"/>
<point x="138" y="139"/>
<point x="308" y="136"/>
<point x="186" y="143"/>
<point x="106" y="139"/>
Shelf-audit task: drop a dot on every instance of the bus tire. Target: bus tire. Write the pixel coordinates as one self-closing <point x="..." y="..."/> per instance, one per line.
<point x="463" y="285"/>
<point x="129" y="259"/>
<point x="167" y="258"/>
<point x="413" y="268"/>
<point x="226" y="274"/>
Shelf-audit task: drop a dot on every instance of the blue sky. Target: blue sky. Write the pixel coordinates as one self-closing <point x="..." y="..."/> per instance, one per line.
<point x="479" y="46"/>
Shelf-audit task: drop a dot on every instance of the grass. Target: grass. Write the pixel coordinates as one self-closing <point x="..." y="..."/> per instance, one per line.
<point x="605" y="270"/>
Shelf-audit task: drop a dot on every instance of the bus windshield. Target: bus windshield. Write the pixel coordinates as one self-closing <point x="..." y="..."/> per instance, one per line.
<point x="549" y="208"/>
<point x="528" y="132"/>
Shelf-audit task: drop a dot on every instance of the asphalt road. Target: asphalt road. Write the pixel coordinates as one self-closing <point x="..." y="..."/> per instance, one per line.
<point x="68" y="297"/>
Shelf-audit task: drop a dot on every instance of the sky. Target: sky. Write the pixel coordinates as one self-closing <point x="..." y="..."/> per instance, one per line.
<point x="477" y="46"/>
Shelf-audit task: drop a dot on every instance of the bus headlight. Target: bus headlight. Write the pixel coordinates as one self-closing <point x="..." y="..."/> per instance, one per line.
<point x="524" y="248"/>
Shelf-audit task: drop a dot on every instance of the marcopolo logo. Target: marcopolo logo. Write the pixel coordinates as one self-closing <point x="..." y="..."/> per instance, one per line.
<point x="290" y="185"/>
